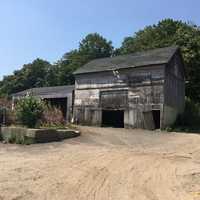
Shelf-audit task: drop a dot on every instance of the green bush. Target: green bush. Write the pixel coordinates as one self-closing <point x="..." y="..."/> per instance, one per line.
<point x="189" y="120"/>
<point x="29" y="111"/>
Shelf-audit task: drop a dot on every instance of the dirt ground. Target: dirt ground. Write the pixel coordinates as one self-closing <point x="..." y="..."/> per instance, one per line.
<point x="104" y="164"/>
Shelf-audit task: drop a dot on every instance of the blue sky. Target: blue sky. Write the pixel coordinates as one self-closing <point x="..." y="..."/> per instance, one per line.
<point x="49" y="28"/>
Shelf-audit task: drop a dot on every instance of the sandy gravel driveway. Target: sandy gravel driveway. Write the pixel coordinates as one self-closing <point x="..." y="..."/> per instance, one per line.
<point x="104" y="164"/>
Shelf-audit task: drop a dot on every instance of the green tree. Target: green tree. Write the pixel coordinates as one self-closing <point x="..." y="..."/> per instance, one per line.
<point x="67" y="65"/>
<point x="35" y="73"/>
<point x="31" y="75"/>
<point x="95" y="46"/>
<point x="52" y="75"/>
<point x="166" y="33"/>
<point x="29" y="111"/>
<point x="91" y="47"/>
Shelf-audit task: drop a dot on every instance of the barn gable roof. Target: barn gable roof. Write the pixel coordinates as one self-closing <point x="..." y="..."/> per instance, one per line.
<point x="47" y="92"/>
<point x="145" y="58"/>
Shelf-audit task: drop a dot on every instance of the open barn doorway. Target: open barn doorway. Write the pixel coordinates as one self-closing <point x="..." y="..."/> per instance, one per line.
<point x="156" y="118"/>
<point x="152" y="119"/>
<point x="60" y="103"/>
<point x="113" y="118"/>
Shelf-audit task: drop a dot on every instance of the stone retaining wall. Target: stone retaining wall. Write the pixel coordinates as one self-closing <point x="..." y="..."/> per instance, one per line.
<point x="22" y="135"/>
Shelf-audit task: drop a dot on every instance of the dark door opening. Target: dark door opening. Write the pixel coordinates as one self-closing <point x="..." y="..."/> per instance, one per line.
<point x="60" y="103"/>
<point x="113" y="118"/>
<point x="156" y="118"/>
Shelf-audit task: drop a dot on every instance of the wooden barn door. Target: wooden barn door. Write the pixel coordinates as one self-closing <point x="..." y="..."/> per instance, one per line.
<point x="148" y="120"/>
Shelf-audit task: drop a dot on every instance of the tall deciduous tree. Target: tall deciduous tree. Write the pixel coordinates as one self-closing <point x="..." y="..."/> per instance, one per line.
<point x="91" y="47"/>
<point x="31" y="75"/>
<point x="95" y="46"/>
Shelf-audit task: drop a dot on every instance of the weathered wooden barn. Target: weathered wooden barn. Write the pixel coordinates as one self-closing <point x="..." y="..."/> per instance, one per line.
<point x="140" y="90"/>
<point x="60" y="96"/>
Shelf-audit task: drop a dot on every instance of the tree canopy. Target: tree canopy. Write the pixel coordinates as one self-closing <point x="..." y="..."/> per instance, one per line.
<point x="167" y="32"/>
<point x="31" y="75"/>
<point x="91" y="47"/>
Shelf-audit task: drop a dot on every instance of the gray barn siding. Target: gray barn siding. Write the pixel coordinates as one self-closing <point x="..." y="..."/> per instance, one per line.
<point x="144" y="88"/>
<point x="174" y="90"/>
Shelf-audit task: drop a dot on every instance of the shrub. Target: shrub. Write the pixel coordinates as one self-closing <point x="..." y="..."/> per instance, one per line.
<point x="5" y="103"/>
<point x="53" y="117"/>
<point x="189" y="120"/>
<point x="29" y="111"/>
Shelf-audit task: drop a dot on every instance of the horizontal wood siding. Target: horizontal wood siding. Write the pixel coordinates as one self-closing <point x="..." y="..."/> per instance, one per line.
<point x="133" y="90"/>
<point x="114" y="99"/>
<point x="175" y="84"/>
<point x="174" y="90"/>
